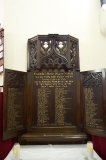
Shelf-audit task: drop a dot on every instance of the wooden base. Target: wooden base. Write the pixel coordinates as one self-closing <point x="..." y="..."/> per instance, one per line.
<point x="72" y="138"/>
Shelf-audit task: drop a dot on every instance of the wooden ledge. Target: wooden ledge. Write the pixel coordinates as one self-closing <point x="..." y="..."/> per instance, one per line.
<point x="53" y="138"/>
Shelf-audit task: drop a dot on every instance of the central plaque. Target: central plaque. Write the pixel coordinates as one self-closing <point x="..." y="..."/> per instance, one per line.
<point x="53" y="98"/>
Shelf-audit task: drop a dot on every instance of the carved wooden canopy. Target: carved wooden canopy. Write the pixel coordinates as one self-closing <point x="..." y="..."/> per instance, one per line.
<point x="53" y="51"/>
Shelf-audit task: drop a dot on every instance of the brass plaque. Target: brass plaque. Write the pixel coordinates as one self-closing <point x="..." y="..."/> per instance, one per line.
<point x="53" y="98"/>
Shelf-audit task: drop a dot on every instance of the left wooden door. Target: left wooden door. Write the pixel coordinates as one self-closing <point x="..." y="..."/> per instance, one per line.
<point x="14" y="103"/>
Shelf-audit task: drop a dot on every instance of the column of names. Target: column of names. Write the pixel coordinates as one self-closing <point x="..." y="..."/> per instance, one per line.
<point x="55" y="87"/>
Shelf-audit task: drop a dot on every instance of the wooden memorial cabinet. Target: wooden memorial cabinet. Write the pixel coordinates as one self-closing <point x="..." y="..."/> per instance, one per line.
<point x="51" y="103"/>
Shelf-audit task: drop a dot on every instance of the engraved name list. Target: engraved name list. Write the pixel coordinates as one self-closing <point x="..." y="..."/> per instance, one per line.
<point x="54" y="97"/>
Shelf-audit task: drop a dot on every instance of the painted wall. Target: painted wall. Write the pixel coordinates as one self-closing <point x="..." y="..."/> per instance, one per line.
<point x="1" y="12"/>
<point x="103" y="19"/>
<point x="1" y="22"/>
<point x="24" y="19"/>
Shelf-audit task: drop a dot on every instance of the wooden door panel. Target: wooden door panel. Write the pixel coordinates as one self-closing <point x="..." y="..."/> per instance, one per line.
<point x="14" y="103"/>
<point x="93" y="102"/>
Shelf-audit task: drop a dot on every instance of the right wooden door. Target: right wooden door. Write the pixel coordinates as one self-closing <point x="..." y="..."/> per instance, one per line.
<point x="93" y="102"/>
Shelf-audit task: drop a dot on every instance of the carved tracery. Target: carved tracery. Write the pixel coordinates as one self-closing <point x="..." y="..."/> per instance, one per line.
<point x="73" y="54"/>
<point x="53" y="51"/>
<point x="33" y="54"/>
<point x="92" y="79"/>
<point x="15" y="79"/>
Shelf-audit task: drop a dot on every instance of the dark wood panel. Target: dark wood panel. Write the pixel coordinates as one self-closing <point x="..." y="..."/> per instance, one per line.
<point x="53" y="87"/>
<point x="14" y="99"/>
<point x="54" y="101"/>
<point x="93" y="102"/>
<point x="72" y="138"/>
